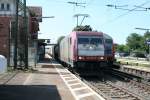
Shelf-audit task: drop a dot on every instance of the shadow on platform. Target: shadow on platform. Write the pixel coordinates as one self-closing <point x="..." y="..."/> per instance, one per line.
<point x="48" y="60"/>
<point x="29" y="92"/>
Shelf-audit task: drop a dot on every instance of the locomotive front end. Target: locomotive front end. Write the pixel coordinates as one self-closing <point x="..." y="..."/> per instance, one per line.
<point x="91" y="51"/>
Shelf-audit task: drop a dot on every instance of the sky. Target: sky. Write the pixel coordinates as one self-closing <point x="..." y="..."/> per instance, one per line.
<point x="117" y="23"/>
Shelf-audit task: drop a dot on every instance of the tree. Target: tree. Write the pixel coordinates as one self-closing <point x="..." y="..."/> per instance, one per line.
<point x="147" y="34"/>
<point x="83" y="28"/>
<point x="59" y="39"/>
<point x="122" y="48"/>
<point x="135" y="42"/>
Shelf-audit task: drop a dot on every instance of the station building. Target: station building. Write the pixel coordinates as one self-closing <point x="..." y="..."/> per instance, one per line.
<point x="8" y="29"/>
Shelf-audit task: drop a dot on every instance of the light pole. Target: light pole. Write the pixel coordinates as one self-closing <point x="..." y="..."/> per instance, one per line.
<point x="45" y="17"/>
<point x="26" y="34"/>
<point x="16" y="36"/>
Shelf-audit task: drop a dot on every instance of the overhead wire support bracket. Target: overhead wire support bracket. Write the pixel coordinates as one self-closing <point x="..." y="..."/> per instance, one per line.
<point x="77" y="4"/>
<point x="142" y="7"/>
<point x="142" y="28"/>
<point x="122" y="7"/>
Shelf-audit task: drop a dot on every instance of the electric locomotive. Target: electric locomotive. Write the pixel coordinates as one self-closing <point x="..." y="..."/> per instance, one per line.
<point x="86" y="50"/>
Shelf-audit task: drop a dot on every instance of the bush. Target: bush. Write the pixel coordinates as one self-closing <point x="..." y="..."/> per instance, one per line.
<point x="124" y="54"/>
<point x="138" y="54"/>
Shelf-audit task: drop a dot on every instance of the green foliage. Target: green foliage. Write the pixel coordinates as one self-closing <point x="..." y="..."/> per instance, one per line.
<point x="32" y="14"/>
<point x="59" y="39"/>
<point x="83" y="28"/>
<point x="122" y="48"/>
<point x="134" y="41"/>
<point x="137" y="43"/>
<point x="147" y="35"/>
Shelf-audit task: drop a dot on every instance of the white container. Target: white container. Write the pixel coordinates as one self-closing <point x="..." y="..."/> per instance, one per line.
<point x="3" y="64"/>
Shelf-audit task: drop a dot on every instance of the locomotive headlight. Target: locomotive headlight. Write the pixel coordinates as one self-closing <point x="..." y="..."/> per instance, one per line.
<point x="80" y="57"/>
<point x="101" y="58"/>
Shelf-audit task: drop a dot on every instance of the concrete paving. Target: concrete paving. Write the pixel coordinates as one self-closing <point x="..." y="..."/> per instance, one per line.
<point x="48" y="81"/>
<point x="43" y="84"/>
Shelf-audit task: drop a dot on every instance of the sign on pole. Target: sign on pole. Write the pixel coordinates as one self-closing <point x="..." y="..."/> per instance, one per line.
<point x="148" y="42"/>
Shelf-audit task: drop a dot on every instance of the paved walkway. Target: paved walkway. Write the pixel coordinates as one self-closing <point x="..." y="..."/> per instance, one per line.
<point x="48" y="81"/>
<point x="43" y="84"/>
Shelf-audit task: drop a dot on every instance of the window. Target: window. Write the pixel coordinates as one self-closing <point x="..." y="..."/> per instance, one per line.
<point x="108" y="41"/>
<point x="96" y="41"/>
<point x="83" y="40"/>
<point x="2" y="6"/>
<point x="8" y="6"/>
<point x="90" y="41"/>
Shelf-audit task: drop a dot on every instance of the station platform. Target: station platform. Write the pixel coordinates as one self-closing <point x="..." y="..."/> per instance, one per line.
<point x="132" y="61"/>
<point x="137" y="64"/>
<point x="48" y="81"/>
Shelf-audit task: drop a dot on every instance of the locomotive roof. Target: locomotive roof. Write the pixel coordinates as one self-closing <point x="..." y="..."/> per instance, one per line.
<point x="87" y="32"/>
<point x="106" y="36"/>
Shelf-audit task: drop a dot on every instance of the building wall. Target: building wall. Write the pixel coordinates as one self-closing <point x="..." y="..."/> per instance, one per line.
<point x="7" y="16"/>
<point x="6" y="11"/>
<point x="4" y="35"/>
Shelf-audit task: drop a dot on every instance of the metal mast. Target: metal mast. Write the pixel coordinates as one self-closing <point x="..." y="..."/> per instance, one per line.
<point x="16" y="36"/>
<point x="26" y="34"/>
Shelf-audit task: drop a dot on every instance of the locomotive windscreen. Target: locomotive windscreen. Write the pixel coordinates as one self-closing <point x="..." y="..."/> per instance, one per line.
<point x="108" y="41"/>
<point x="90" y="40"/>
<point x="90" y="45"/>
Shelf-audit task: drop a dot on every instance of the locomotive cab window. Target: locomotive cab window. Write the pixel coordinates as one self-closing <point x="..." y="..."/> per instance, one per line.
<point x="90" y="40"/>
<point x="108" y="41"/>
<point x="96" y="41"/>
<point x="83" y="40"/>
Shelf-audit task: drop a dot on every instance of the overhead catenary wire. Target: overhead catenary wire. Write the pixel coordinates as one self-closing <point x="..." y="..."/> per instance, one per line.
<point x="90" y="2"/>
<point x="128" y="12"/>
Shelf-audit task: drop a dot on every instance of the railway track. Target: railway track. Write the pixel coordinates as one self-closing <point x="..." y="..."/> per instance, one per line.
<point x="111" y="91"/>
<point x="123" y="87"/>
<point x="141" y="89"/>
<point x="134" y="84"/>
<point x="136" y="71"/>
<point x="118" y="84"/>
